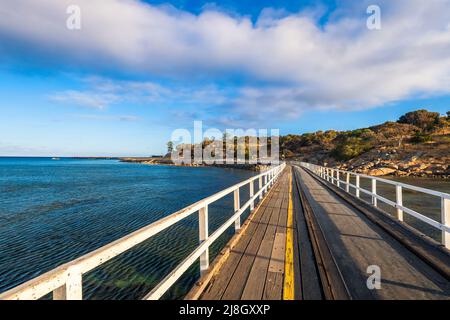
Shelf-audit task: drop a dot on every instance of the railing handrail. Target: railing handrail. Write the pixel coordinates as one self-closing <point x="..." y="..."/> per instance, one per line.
<point x="59" y="281"/>
<point x="397" y="183"/>
<point x="444" y="225"/>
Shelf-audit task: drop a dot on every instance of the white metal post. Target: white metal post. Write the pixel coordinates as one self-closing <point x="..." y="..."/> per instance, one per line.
<point x="237" y="205"/>
<point x="347" y="182"/>
<point x="73" y="289"/>
<point x="374" y="192"/>
<point x="252" y="192"/>
<point x="357" y="186"/>
<point x="260" y="187"/>
<point x="338" y="183"/>
<point x="399" y="201"/>
<point x="203" y="235"/>
<point x="445" y="218"/>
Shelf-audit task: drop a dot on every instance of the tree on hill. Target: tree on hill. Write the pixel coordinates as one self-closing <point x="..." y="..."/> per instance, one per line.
<point x="423" y="119"/>
<point x="169" y="147"/>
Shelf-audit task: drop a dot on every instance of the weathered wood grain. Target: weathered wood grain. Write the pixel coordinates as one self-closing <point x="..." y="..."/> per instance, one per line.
<point x="358" y="243"/>
<point x="245" y="274"/>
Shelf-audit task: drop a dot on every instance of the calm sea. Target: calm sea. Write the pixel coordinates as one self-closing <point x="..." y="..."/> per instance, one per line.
<point x="53" y="211"/>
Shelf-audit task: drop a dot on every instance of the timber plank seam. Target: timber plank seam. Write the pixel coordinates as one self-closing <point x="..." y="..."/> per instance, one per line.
<point x="247" y="275"/>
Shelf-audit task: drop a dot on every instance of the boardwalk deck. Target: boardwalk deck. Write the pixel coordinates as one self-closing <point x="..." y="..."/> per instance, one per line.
<point x="255" y="266"/>
<point x="322" y="226"/>
<point x="358" y="243"/>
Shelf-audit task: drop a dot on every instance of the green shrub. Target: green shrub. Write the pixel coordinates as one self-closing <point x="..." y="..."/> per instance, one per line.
<point x="351" y="147"/>
<point x="421" y="137"/>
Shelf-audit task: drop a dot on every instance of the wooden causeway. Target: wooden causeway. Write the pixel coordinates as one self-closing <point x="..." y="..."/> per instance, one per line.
<point x="255" y="266"/>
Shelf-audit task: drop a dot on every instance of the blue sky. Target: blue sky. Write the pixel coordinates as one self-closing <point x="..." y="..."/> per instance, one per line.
<point x="136" y="70"/>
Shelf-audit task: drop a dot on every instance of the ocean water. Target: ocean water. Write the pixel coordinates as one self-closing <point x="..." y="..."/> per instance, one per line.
<point x="54" y="211"/>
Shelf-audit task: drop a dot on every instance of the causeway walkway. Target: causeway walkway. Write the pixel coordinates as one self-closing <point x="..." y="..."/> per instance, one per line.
<point x="254" y="267"/>
<point x="305" y="241"/>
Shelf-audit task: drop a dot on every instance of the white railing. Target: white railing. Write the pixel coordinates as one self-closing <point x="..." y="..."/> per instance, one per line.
<point x="65" y="281"/>
<point x="334" y="176"/>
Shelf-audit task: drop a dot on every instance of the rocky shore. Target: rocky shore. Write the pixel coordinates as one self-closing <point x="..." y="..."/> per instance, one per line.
<point x="401" y="164"/>
<point x="168" y="161"/>
<point x="148" y="160"/>
<point x="416" y="145"/>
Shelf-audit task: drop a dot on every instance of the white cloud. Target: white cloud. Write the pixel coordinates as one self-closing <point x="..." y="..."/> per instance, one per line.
<point x="85" y="98"/>
<point x="123" y="118"/>
<point x="300" y="64"/>
<point x="102" y="92"/>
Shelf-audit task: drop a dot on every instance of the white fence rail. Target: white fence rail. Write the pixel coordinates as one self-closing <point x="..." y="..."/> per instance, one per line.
<point x="334" y="176"/>
<point x="65" y="281"/>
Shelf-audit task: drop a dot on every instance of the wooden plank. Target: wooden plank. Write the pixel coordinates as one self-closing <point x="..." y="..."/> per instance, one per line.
<point x="274" y="286"/>
<point x="278" y="251"/>
<point x="254" y="287"/>
<point x="307" y="273"/>
<point x="286" y="192"/>
<point x="333" y="285"/>
<point x="356" y="243"/>
<point x="297" y="276"/>
<point x="247" y="229"/>
<point x="240" y="276"/>
<point x="237" y="282"/>
<point x="219" y="282"/>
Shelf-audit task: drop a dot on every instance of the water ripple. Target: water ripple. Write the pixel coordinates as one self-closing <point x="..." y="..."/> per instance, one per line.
<point x="54" y="211"/>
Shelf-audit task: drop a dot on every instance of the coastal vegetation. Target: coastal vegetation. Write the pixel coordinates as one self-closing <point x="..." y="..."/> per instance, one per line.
<point x="417" y="144"/>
